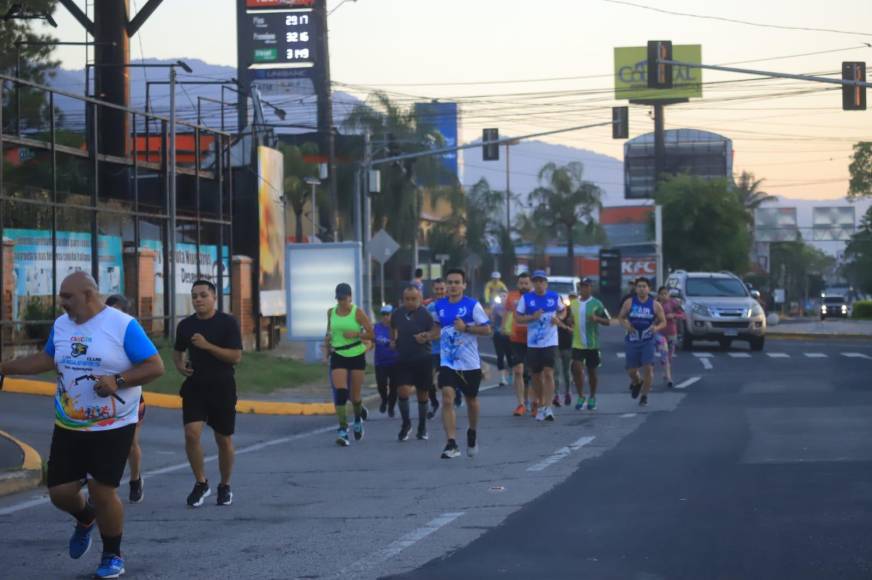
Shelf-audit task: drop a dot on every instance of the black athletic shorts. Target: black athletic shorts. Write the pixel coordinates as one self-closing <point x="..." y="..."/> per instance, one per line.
<point x="589" y="356"/>
<point x="416" y="372"/>
<point x="212" y="401"/>
<point x="466" y="382"/>
<point x="518" y="353"/>
<point x="350" y="363"/>
<point x="539" y="358"/>
<point x="101" y="454"/>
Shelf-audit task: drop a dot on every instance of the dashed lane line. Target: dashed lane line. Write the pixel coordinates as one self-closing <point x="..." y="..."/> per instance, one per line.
<point x="856" y="355"/>
<point x="560" y="455"/>
<point x="739" y="354"/>
<point x="688" y="382"/>
<point x="815" y="355"/>
<point x="777" y="355"/>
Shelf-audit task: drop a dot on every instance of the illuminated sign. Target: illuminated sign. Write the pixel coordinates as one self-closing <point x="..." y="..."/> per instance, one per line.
<point x="631" y="74"/>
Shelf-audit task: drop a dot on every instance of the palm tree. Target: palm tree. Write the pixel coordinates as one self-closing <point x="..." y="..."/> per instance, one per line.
<point x="748" y="191"/>
<point x="296" y="190"/>
<point x="565" y="199"/>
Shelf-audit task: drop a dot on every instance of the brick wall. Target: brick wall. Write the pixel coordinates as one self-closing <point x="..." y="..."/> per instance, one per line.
<point x="241" y="304"/>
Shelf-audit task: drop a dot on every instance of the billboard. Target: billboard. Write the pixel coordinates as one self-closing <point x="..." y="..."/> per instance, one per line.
<point x="775" y="224"/>
<point x="832" y="224"/>
<point x="444" y="118"/>
<point x="271" y="227"/>
<point x="187" y="262"/>
<point x="631" y="74"/>
<point x="627" y="225"/>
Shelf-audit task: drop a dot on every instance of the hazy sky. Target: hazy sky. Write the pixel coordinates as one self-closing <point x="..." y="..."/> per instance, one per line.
<point x="439" y="48"/>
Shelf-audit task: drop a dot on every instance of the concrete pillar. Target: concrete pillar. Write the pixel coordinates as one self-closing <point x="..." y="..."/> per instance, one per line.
<point x="241" y="303"/>
<point x="140" y="290"/>
<point x="8" y="288"/>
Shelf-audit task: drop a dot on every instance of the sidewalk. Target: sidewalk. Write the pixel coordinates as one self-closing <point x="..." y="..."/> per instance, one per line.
<point x="20" y="465"/>
<point x="814" y="328"/>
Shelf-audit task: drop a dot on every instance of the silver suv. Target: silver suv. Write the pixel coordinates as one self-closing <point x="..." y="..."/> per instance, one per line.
<point x="718" y="307"/>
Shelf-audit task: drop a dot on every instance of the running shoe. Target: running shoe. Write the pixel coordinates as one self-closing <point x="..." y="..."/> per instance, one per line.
<point x="471" y="443"/>
<point x="451" y="450"/>
<point x="342" y="437"/>
<point x="383" y="407"/>
<point x="111" y="566"/>
<point x="556" y="401"/>
<point x="567" y="400"/>
<point x="520" y="410"/>
<point x="80" y="541"/>
<point x="549" y="414"/>
<point x="635" y="390"/>
<point x="579" y="403"/>
<point x="392" y="411"/>
<point x="434" y="406"/>
<point x="364" y="413"/>
<point x="358" y="430"/>
<point x="643" y="402"/>
<point x="136" y="490"/>
<point x="669" y="384"/>
<point x="503" y="384"/>
<point x="200" y="492"/>
<point x="422" y="435"/>
<point x="225" y="496"/>
<point x="534" y="409"/>
<point x="591" y="404"/>
<point x="458" y="401"/>
<point x="540" y="415"/>
<point x="404" y="432"/>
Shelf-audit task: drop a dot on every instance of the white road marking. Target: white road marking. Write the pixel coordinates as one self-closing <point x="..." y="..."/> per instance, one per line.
<point x="688" y="382"/>
<point x="621" y="354"/>
<point x="398" y="546"/>
<point x="703" y="355"/>
<point x="815" y="355"/>
<point x="706" y="364"/>
<point x="560" y="454"/>
<point x="739" y="354"/>
<point x="628" y="415"/>
<point x="777" y="355"/>
<point x="178" y="467"/>
<point x="856" y="355"/>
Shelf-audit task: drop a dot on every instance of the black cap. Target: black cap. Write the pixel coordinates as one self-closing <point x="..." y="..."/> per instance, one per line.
<point x="585" y="282"/>
<point x="342" y="290"/>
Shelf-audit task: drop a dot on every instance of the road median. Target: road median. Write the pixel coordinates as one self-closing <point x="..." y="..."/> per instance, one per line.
<point x="21" y="467"/>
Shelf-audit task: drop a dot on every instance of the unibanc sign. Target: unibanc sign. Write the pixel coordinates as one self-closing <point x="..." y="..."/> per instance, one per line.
<point x="631" y="74"/>
<point x="279" y="39"/>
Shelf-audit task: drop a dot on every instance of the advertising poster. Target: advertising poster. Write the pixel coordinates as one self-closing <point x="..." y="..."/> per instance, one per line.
<point x="186" y="265"/>
<point x="271" y="244"/>
<point x="631" y="74"/>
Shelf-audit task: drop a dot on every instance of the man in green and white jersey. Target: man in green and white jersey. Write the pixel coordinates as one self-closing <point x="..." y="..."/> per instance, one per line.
<point x="587" y="314"/>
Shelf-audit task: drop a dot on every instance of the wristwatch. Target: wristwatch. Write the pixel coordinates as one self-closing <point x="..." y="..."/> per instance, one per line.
<point x="120" y="382"/>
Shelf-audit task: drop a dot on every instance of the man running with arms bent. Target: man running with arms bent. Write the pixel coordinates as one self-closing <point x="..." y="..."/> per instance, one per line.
<point x="642" y="317"/>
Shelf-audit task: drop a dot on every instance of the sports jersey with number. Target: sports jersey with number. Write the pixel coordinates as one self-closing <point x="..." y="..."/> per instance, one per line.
<point x="541" y="333"/>
<point x="459" y="350"/>
<point x="110" y="343"/>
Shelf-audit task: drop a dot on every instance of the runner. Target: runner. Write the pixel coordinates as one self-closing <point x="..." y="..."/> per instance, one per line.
<point x="385" y="362"/>
<point x="208" y="346"/>
<point x="494" y="288"/>
<point x="673" y="312"/>
<point x="97" y="352"/>
<point x="517" y="334"/>
<point x="587" y="314"/>
<point x="438" y="293"/>
<point x="134" y="460"/>
<point x="460" y="320"/>
<point x="541" y="310"/>
<point x="563" y="367"/>
<point x="411" y="325"/>
<point x="347" y="327"/>
<point x="418" y="280"/>
<point x="502" y="344"/>
<point x="642" y="317"/>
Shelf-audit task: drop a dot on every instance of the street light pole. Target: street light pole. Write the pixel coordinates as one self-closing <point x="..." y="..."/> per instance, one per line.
<point x="314" y="182"/>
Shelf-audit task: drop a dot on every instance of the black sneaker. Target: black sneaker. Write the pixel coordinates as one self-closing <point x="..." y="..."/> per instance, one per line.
<point x="136" y="490"/>
<point x="392" y="412"/>
<point x="434" y="406"/>
<point x="364" y="413"/>
<point x="635" y="389"/>
<point x="643" y="402"/>
<point x="422" y="435"/>
<point x="200" y="492"/>
<point x="383" y="407"/>
<point x="225" y="496"/>
<point x="451" y="450"/>
<point x="404" y="432"/>
<point x="669" y="385"/>
<point x="471" y="444"/>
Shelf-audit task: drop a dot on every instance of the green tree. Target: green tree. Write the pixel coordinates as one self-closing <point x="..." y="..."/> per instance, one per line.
<point x="861" y="171"/>
<point x="566" y="200"/>
<point x="749" y="193"/>
<point x="705" y="227"/>
<point x="296" y="191"/>
<point x="858" y="256"/>
<point x="799" y="268"/>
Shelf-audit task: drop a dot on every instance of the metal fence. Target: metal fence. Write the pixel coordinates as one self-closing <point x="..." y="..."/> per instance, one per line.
<point x="88" y="185"/>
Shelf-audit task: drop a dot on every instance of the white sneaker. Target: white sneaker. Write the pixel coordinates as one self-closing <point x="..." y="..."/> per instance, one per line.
<point x="540" y="415"/>
<point x="549" y="414"/>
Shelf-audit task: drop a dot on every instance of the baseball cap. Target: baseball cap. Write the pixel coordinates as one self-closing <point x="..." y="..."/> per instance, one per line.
<point x="496" y="275"/>
<point x="342" y="290"/>
<point x="540" y="274"/>
<point x="585" y="282"/>
<point x="387" y="309"/>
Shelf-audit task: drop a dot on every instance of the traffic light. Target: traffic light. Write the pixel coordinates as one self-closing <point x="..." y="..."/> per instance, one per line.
<point x="490" y="151"/>
<point x="610" y="271"/>
<point x="854" y="96"/>
<point x="659" y="75"/>
<point x="620" y="122"/>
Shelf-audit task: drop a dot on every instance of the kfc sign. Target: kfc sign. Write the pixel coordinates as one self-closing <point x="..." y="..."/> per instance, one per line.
<point x="634" y="267"/>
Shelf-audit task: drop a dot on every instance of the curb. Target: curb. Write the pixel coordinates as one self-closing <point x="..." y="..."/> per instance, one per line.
<point x="814" y="336"/>
<point x="28" y="476"/>
<point x="164" y="401"/>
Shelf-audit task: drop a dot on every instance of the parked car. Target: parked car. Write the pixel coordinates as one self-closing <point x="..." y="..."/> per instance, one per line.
<point x="719" y="307"/>
<point x="834" y="307"/>
<point x="564" y="286"/>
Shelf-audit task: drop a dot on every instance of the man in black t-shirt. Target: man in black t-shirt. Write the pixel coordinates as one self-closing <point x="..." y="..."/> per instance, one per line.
<point x="411" y="325"/>
<point x="208" y="345"/>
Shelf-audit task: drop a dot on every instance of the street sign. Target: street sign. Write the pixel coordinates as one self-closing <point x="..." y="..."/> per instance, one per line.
<point x="383" y="247"/>
<point x="779" y="295"/>
<point x="442" y="257"/>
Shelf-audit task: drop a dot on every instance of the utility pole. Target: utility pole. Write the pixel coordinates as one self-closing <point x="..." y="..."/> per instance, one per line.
<point x="325" y="117"/>
<point x="508" y="189"/>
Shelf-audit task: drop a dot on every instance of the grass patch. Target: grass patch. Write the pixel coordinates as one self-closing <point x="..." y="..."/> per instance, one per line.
<point x="258" y="372"/>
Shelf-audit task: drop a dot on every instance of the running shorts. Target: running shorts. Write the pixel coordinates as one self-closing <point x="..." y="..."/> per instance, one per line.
<point x="349" y="363"/>
<point x="212" y="401"/>
<point x="639" y="354"/>
<point x="589" y="356"/>
<point x="416" y="372"/>
<point x="101" y="454"/>
<point x="539" y="358"/>
<point x="467" y="382"/>
<point x="518" y="353"/>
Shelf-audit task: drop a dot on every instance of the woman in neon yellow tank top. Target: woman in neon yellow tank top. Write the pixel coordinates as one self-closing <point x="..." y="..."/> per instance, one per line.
<point x="347" y="328"/>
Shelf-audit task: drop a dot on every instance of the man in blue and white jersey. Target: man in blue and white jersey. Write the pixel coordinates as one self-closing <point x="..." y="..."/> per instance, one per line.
<point x="642" y="317"/>
<point x="541" y="310"/>
<point x="459" y="321"/>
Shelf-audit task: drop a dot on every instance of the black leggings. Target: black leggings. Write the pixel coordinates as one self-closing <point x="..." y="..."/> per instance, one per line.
<point x="387" y="384"/>
<point x="503" y="348"/>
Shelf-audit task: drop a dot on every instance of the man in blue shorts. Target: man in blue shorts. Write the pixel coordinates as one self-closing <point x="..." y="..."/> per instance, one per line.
<point x="642" y="317"/>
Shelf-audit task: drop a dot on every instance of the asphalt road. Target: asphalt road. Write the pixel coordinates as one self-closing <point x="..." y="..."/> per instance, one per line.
<point x="758" y="468"/>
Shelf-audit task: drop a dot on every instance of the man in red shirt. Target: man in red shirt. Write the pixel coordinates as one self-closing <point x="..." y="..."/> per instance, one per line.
<point x="518" y="338"/>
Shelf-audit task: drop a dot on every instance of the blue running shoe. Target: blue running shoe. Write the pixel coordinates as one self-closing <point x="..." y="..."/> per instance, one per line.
<point x="591" y="404"/>
<point x="579" y="404"/>
<point x="358" y="430"/>
<point x="111" y="566"/>
<point x="342" y="437"/>
<point x="80" y="542"/>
